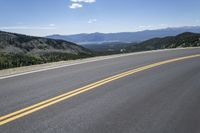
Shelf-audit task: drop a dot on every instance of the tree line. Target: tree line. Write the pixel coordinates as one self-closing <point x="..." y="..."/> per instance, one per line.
<point x="10" y="60"/>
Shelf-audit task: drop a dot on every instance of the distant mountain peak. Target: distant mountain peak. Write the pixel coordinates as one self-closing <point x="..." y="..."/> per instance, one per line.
<point x="139" y="36"/>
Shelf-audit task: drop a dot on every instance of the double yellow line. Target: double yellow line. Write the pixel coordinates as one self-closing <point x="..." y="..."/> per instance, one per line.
<point x="28" y="110"/>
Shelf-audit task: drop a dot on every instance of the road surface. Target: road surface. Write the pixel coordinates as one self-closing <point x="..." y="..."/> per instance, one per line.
<point x="140" y="98"/>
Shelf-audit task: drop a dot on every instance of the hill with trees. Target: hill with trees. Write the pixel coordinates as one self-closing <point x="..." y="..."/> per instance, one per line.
<point x="21" y="50"/>
<point x="186" y="39"/>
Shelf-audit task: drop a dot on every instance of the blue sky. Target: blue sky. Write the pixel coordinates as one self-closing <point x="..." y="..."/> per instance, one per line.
<point x="45" y="17"/>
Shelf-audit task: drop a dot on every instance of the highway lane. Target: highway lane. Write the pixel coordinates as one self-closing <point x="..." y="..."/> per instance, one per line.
<point x="82" y="113"/>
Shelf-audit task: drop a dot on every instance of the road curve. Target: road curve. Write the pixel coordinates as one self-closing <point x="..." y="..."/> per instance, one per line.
<point x="143" y="93"/>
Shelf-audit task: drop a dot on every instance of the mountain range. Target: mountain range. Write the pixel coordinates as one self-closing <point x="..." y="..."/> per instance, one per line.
<point x="127" y="37"/>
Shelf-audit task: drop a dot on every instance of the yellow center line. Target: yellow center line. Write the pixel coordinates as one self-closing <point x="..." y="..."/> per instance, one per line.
<point x="31" y="109"/>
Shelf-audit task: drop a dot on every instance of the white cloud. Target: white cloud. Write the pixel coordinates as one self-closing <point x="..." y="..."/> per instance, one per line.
<point x="146" y="26"/>
<point x="85" y="1"/>
<point x="90" y="21"/>
<point x="151" y="27"/>
<point x="197" y="21"/>
<point x="163" y="25"/>
<point x="78" y="3"/>
<point x="52" y="25"/>
<point x="28" y="28"/>
<point x="75" y="5"/>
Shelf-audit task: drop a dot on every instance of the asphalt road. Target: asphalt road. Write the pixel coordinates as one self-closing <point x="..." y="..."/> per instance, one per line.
<point x="163" y="99"/>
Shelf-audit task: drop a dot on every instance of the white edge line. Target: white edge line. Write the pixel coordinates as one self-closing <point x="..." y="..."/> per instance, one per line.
<point x="101" y="58"/>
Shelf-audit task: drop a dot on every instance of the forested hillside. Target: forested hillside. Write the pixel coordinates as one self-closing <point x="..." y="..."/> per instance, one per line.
<point x="186" y="39"/>
<point x="20" y="50"/>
